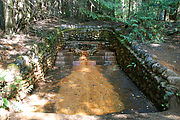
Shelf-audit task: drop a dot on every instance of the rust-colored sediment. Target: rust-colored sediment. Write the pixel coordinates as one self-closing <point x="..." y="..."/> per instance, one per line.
<point x="87" y="92"/>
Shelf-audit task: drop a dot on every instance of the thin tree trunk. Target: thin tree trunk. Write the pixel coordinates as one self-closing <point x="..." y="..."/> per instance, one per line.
<point x="161" y="14"/>
<point x="123" y="9"/>
<point x="2" y="23"/>
<point x="83" y="3"/>
<point x="129" y="10"/>
<point x="67" y="7"/>
<point x="20" y="15"/>
<point x="113" y="10"/>
<point x="165" y="13"/>
<point x="9" y="22"/>
<point x="57" y="4"/>
<point x="140" y="3"/>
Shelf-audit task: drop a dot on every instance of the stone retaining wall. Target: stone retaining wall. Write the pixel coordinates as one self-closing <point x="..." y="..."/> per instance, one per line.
<point x="41" y="58"/>
<point x="27" y="71"/>
<point x="159" y="84"/>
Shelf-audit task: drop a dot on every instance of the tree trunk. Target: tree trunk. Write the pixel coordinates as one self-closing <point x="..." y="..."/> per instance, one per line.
<point x="71" y="14"/>
<point x="82" y="4"/>
<point x="67" y="8"/>
<point x="57" y="5"/>
<point x="113" y="10"/>
<point x="2" y="23"/>
<point x="20" y="15"/>
<point x="140" y="3"/>
<point x="63" y="7"/>
<point x="161" y="14"/>
<point x="129" y="10"/>
<point x="123" y="9"/>
<point x="9" y="22"/>
<point x="165" y="13"/>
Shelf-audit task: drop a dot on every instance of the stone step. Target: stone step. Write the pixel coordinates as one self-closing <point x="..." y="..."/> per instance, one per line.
<point x="58" y="63"/>
<point x="84" y="62"/>
<point x="98" y="53"/>
<point x="87" y="42"/>
<point x="105" y="58"/>
<point x="96" y="58"/>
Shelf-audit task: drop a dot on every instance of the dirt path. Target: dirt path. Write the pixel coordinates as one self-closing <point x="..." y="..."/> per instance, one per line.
<point x="167" y="53"/>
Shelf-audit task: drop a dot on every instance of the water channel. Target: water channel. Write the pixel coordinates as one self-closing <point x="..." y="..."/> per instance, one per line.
<point x="86" y="80"/>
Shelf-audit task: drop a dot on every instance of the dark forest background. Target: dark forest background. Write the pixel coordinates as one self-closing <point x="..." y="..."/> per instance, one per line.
<point x="146" y="18"/>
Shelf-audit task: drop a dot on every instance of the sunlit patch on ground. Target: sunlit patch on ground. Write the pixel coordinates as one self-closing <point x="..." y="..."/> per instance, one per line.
<point x="155" y="45"/>
<point x="86" y="91"/>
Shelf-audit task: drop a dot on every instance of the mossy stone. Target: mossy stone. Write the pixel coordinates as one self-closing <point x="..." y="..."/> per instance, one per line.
<point x="13" y="67"/>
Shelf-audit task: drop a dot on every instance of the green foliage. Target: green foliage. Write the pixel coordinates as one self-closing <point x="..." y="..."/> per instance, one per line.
<point x="5" y="103"/>
<point x="9" y="90"/>
<point x="143" y="21"/>
<point x="51" y="38"/>
<point x="132" y="65"/>
<point x="107" y="10"/>
<point x="165" y="106"/>
<point x="30" y="80"/>
<point x="27" y="11"/>
<point x="2" y="82"/>
<point x="144" y="29"/>
<point x="2" y="78"/>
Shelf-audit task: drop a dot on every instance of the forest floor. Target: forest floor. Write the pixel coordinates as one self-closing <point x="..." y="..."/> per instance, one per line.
<point x="167" y="53"/>
<point x="11" y="46"/>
